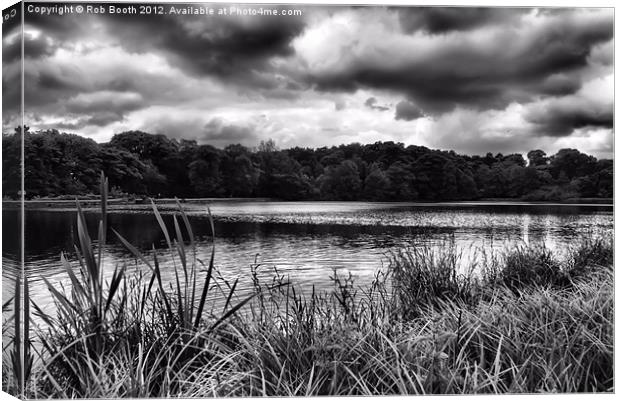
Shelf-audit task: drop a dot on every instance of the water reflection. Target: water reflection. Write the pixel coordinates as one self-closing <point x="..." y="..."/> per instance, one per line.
<point x="305" y="240"/>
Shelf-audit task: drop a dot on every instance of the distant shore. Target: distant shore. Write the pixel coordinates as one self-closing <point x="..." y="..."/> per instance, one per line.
<point x="53" y="203"/>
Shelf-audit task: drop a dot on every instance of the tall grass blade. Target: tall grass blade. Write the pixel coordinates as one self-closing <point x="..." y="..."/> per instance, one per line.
<point x="133" y="249"/>
<point x="42" y="315"/>
<point x="161" y="224"/>
<point x="117" y="276"/>
<point x="188" y="226"/>
<point x="180" y="246"/>
<point x="205" y="290"/>
<point x="231" y="312"/>
<point x="104" y="206"/>
<point x="161" y="286"/>
<point x="27" y="356"/>
<point x="68" y="305"/>
<point x="76" y="285"/>
<point x="18" y="367"/>
<point x="87" y="252"/>
<point x="5" y="306"/>
<point x="230" y="294"/>
<point x="181" y="250"/>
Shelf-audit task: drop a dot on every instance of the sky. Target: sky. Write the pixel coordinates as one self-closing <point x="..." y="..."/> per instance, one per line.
<point x="473" y="80"/>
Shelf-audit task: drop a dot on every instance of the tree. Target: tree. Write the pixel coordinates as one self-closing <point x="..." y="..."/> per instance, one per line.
<point x="537" y="158"/>
<point x="290" y="187"/>
<point x="240" y="176"/>
<point x="204" y="172"/>
<point x="402" y="182"/>
<point x="341" y="182"/>
<point x="466" y="185"/>
<point x="572" y="163"/>
<point x="160" y="152"/>
<point x="435" y="177"/>
<point x="124" y="170"/>
<point x="11" y="166"/>
<point x="377" y="184"/>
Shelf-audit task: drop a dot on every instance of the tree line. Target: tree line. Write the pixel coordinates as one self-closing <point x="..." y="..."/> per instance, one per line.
<point x="142" y="164"/>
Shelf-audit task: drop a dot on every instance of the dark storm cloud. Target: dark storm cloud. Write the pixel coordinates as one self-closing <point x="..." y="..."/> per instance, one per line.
<point x="438" y="20"/>
<point x="371" y="103"/>
<point x="560" y="84"/>
<point x="45" y="82"/>
<point x="561" y="118"/>
<point x="101" y="119"/>
<point x="103" y="107"/>
<point x="52" y="30"/>
<point x="48" y="84"/>
<point x="68" y="88"/>
<point x="34" y="47"/>
<point x="227" y="47"/>
<point x="237" y="50"/>
<point x="407" y="111"/>
<point x="11" y="70"/>
<point x="513" y="66"/>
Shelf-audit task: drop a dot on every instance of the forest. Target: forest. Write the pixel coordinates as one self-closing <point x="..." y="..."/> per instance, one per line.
<point x="140" y="164"/>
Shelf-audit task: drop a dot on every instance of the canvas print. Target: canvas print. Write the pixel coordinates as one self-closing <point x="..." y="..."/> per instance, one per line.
<point x="238" y="200"/>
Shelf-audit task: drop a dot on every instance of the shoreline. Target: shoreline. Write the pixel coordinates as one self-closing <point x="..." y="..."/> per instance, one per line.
<point x="38" y="204"/>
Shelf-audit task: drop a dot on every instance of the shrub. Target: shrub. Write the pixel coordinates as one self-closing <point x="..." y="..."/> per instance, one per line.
<point x="531" y="265"/>
<point x="422" y="276"/>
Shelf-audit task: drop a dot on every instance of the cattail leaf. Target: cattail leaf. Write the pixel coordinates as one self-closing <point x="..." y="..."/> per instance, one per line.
<point x="188" y="227"/>
<point x="230" y="293"/>
<point x="161" y="224"/>
<point x="232" y="311"/>
<point x="205" y="289"/>
<point x="132" y="249"/>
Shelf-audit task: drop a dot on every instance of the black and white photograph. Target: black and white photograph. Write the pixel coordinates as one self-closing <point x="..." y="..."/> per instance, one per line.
<point x="296" y="199"/>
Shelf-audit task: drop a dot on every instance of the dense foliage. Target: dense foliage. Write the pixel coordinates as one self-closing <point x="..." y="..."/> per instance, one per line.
<point x="139" y="163"/>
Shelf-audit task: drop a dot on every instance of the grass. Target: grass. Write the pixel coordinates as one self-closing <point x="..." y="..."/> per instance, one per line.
<point x="522" y="322"/>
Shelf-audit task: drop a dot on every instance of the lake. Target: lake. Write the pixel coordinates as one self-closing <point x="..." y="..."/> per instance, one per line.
<point x="306" y="241"/>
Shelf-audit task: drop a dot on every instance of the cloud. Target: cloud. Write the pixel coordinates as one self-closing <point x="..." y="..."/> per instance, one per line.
<point x="117" y="102"/>
<point x="407" y="111"/>
<point x="560" y="84"/>
<point x="485" y="79"/>
<point x="340" y="105"/>
<point x="436" y="20"/>
<point x="603" y="54"/>
<point x="236" y="47"/>
<point x="216" y="130"/>
<point x="35" y="46"/>
<point x="591" y="107"/>
<point x="485" y="68"/>
<point x="98" y="119"/>
<point x="561" y="117"/>
<point x="371" y="103"/>
<point x="102" y="80"/>
<point x="62" y="28"/>
<point x="103" y="107"/>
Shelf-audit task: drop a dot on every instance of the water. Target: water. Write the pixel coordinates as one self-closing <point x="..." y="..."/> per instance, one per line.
<point x="306" y="241"/>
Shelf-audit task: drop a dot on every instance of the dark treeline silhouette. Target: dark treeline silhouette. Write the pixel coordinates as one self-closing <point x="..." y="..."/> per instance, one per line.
<point x="138" y="163"/>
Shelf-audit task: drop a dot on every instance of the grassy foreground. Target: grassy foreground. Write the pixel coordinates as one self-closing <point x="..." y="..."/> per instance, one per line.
<point x="527" y="322"/>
